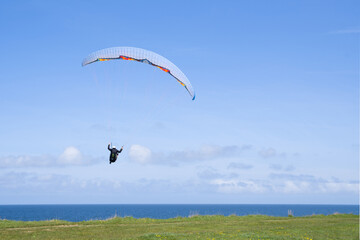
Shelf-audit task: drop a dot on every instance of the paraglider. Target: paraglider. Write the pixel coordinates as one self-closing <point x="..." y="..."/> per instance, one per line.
<point x="114" y="153"/>
<point x="143" y="56"/>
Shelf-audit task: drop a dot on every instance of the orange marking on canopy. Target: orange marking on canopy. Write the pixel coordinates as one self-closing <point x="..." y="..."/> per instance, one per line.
<point x="164" y="69"/>
<point x="126" y="58"/>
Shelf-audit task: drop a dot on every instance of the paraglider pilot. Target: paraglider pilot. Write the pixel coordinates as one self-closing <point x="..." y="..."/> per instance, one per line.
<point x="114" y="153"/>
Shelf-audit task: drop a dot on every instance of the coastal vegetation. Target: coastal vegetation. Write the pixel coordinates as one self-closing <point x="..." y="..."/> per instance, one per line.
<point x="336" y="226"/>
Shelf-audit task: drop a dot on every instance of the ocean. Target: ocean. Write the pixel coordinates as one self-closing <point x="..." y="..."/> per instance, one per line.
<point x="79" y="212"/>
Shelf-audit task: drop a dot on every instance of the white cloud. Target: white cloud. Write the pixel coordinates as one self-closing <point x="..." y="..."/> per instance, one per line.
<point x="71" y="156"/>
<point x="140" y="154"/>
<point x="292" y="187"/>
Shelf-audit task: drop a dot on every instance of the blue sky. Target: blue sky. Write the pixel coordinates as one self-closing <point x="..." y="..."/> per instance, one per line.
<point x="275" y="120"/>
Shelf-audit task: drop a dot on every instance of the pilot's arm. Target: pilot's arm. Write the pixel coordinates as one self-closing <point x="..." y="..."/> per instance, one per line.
<point x="119" y="151"/>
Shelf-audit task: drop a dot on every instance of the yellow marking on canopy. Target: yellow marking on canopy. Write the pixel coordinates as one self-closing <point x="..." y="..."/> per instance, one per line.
<point x="181" y="83"/>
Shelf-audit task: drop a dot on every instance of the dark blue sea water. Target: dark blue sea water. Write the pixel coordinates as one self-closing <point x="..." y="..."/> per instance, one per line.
<point x="76" y="213"/>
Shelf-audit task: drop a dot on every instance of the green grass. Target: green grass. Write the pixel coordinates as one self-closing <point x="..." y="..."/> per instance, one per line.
<point x="339" y="226"/>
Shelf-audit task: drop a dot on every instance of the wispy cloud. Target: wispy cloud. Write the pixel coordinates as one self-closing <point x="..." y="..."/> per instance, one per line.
<point x="284" y="183"/>
<point x="234" y="186"/>
<point x="271" y="153"/>
<point x="102" y="128"/>
<point x="279" y="167"/>
<point x="211" y="182"/>
<point x="352" y="30"/>
<point x="268" y="152"/>
<point x="144" y="155"/>
<point x="212" y="173"/>
<point x="27" y="181"/>
<point x="70" y="157"/>
<point x="294" y="177"/>
<point x="308" y="183"/>
<point x="31" y="182"/>
<point x="238" y="165"/>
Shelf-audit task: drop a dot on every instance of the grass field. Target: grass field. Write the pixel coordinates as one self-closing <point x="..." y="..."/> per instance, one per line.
<point x="339" y="226"/>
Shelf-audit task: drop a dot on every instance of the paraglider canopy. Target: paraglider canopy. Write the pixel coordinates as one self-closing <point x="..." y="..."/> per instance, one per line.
<point x="144" y="56"/>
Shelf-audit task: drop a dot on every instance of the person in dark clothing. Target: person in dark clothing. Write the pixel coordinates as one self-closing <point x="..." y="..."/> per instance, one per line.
<point x="114" y="153"/>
